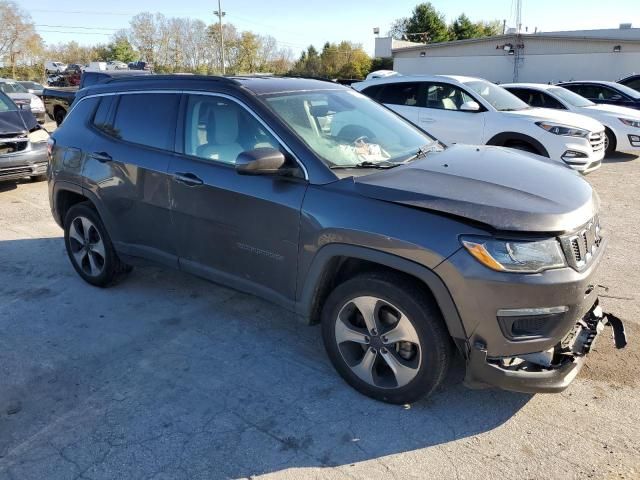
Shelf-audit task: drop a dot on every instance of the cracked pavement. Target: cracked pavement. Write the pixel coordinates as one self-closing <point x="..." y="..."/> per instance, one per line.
<point x="166" y="376"/>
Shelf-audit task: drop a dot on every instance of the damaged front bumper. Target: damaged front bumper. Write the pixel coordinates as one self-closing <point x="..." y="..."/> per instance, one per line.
<point x="543" y="372"/>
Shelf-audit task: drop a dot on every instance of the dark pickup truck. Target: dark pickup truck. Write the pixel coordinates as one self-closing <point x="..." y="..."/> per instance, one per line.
<point x="57" y="101"/>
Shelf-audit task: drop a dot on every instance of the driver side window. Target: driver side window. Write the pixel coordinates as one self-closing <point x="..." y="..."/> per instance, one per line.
<point x="219" y="129"/>
<point x="446" y="97"/>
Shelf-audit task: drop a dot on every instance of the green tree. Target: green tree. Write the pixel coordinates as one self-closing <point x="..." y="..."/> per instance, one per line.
<point x="462" y="28"/>
<point x="425" y="24"/>
<point x="121" y="49"/>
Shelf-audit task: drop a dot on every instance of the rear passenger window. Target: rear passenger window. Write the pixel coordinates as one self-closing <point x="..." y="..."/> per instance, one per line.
<point x="401" y="93"/>
<point x="147" y="119"/>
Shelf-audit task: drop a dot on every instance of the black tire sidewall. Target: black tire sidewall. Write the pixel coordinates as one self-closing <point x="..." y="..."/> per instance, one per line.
<point x="111" y="265"/>
<point x="611" y="147"/>
<point x="426" y="319"/>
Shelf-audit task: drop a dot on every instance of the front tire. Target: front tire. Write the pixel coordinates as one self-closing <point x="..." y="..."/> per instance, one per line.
<point x="89" y="247"/>
<point x="609" y="142"/>
<point x="386" y="337"/>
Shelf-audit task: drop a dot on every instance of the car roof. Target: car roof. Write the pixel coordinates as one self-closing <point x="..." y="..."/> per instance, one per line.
<point x="454" y="79"/>
<point x="590" y="82"/>
<point x="538" y="86"/>
<point x="258" y="85"/>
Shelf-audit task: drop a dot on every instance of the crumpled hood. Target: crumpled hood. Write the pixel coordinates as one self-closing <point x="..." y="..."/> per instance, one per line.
<point x="496" y="186"/>
<point x="558" y="116"/>
<point x="16" y="121"/>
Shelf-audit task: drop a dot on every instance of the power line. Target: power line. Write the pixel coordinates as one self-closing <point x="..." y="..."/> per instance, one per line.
<point x="75" y="33"/>
<point x="73" y="26"/>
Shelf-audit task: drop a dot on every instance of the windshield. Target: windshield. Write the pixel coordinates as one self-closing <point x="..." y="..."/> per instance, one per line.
<point x="498" y="97"/>
<point x="627" y="91"/>
<point x="6" y="104"/>
<point x="32" y="85"/>
<point x="345" y="128"/>
<point x="12" y="87"/>
<point x="571" y="98"/>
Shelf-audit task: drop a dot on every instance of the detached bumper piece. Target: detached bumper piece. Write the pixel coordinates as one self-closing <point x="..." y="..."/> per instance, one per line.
<point x="544" y="372"/>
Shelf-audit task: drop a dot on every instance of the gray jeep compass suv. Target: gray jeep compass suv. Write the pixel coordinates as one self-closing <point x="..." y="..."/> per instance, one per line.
<point x="313" y="196"/>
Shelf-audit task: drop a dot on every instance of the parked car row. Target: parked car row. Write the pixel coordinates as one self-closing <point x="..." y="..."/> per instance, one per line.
<point x="320" y="199"/>
<point x="23" y="142"/>
<point x="23" y="98"/>
<point x="551" y="121"/>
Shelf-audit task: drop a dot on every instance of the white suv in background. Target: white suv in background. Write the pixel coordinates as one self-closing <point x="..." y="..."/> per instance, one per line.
<point x="474" y="111"/>
<point x="622" y="124"/>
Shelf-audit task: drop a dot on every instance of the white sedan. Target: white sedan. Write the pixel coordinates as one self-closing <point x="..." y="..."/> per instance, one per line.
<point x="622" y="124"/>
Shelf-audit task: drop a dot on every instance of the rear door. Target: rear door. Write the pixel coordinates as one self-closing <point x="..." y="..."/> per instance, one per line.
<point x="127" y="170"/>
<point x="238" y="229"/>
<point x="405" y="98"/>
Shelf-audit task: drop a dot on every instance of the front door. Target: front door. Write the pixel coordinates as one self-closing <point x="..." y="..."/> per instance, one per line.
<point x="238" y="229"/>
<point x="443" y="118"/>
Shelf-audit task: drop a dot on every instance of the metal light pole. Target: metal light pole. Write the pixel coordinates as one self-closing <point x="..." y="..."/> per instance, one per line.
<point x="221" y="14"/>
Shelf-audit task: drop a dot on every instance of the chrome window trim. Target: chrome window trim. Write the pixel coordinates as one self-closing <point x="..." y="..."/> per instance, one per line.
<point x="211" y="94"/>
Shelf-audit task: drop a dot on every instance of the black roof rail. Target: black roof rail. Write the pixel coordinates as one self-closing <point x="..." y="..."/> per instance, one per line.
<point x="182" y="78"/>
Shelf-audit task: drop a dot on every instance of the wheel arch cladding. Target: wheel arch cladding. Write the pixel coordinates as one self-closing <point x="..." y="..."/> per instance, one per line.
<point x="335" y="263"/>
<point x="501" y="139"/>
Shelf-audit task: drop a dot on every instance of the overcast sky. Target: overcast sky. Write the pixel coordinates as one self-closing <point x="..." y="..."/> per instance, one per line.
<point x="298" y="23"/>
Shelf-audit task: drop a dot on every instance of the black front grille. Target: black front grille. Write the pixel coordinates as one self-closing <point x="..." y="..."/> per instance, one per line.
<point x="581" y="246"/>
<point x="16" y="171"/>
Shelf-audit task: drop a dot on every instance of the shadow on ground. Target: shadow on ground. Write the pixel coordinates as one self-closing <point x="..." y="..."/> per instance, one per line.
<point x="171" y="376"/>
<point x="619" y="157"/>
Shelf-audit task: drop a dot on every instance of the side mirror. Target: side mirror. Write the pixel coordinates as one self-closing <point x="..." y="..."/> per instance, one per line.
<point x="616" y="97"/>
<point x="262" y="161"/>
<point x="470" y="106"/>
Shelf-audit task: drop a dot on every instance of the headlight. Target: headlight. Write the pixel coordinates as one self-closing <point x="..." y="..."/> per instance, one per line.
<point x="630" y="123"/>
<point x="38" y="135"/>
<point x="564" y="130"/>
<point x="516" y="256"/>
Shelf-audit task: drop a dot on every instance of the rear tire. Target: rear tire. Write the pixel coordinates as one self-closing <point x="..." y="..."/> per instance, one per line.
<point x="89" y="247"/>
<point x="407" y="353"/>
<point x="59" y="115"/>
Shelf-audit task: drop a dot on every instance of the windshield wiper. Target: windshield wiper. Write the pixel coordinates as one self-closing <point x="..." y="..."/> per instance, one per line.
<point x="368" y="164"/>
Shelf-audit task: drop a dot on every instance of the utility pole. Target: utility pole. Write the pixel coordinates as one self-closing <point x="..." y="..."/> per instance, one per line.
<point x="221" y="14"/>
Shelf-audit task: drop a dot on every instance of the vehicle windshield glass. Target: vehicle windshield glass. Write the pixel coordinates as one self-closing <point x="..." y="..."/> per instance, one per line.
<point x="498" y="97"/>
<point x="6" y="105"/>
<point x="571" y="98"/>
<point x="345" y="128"/>
<point x="627" y="91"/>
<point x="12" y="87"/>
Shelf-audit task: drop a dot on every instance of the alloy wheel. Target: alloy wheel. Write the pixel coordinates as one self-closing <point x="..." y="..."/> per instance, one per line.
<point x="378" y="342"/>
<point x="87" y="246"/>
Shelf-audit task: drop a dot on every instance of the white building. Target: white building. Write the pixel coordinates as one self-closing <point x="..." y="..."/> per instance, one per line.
<point x="541" y="57"/>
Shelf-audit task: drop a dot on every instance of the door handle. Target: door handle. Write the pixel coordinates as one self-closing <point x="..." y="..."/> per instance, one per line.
<point x="427" y="119"/>
<point x="188" y="179"/>
<point x="101" y="156"/>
